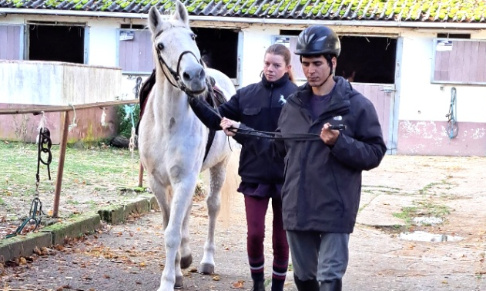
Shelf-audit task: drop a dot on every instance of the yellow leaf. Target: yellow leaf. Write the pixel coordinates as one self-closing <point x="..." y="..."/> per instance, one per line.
<point x="238" y="285"/>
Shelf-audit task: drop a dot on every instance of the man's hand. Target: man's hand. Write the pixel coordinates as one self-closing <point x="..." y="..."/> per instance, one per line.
<point x="328" y="135"/>
<point x="227" y="124"/>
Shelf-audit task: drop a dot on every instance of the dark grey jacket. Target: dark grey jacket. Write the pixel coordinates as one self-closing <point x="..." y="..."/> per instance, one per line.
<point x="257" y="106"/>
<point x="322" y="187"/>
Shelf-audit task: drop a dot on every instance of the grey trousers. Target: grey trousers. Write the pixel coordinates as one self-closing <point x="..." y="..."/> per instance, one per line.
<point x="318" y="255"/>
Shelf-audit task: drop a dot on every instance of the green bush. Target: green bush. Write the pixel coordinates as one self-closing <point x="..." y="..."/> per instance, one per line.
<point x="125" y="127"/>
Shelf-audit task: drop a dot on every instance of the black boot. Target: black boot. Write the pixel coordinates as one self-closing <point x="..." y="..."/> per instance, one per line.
<point x="333" y="285"/>
<point x="308" y="285"/>
<point x="258" y="285"/>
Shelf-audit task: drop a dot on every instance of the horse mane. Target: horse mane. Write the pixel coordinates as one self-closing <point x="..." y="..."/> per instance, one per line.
<point x="143" y="95"/>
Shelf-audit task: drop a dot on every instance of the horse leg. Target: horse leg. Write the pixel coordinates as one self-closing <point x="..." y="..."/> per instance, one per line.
<point x="216" y="180"/>
<point x="185" y="250"/>
<point x="161" y="193"/>
<point x="181" y="201"/>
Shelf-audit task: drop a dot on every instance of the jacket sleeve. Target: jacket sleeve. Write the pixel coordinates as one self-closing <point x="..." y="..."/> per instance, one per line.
<point x="208" y="115"/>
<point x="366" y="149"/>
<point x="278" y="144"/>
<point x="231" y="110"/>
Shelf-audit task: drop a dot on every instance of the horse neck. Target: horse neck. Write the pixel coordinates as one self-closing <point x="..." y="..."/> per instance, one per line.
<point x="170" y="102"/>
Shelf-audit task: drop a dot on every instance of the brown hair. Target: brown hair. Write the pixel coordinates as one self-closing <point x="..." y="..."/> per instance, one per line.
<point x="281" y="50"/>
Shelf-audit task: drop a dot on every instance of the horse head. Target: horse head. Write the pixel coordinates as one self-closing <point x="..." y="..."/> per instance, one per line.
<point x="176" y="51"/>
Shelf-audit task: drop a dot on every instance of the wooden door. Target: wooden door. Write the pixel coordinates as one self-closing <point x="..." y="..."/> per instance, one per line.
<point x="382" y="96"/>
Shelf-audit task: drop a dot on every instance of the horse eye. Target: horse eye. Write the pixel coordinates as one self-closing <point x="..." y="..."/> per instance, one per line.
<point x="160" y="46"/>
<point x="194" y="36"/>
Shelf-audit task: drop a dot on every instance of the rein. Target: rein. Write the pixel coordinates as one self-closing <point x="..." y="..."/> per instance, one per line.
<point x="175" y="80"/>
<point x="276" y="135"/>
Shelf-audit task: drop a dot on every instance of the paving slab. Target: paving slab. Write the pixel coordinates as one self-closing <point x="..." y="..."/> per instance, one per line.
<point x="380" y="210"/>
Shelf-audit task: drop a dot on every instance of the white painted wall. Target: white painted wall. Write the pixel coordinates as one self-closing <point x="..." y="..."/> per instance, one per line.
<point x="421" y="100"/>
<point x="255" y="43"/>
<point x="57" y="83"/>
<point x="103" y="43"/>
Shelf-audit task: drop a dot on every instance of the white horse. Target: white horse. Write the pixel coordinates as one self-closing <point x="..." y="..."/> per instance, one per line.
<point x="172" y="141"/>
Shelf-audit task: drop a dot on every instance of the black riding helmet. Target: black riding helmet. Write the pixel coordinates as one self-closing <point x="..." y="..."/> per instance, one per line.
<point x="318" y="40"/>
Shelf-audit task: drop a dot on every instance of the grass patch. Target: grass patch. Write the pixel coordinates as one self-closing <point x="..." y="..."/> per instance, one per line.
<point x="90" y="177"/>
<point x="80" y="167"/>
<point x="422" y="209"/>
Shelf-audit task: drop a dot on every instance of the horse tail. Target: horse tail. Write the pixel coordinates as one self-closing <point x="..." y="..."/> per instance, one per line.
<point x="228" y="191"/>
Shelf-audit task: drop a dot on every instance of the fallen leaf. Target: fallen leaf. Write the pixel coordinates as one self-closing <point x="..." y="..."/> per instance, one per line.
<point x="37" y="251"/>
<point x="238" y="285"/>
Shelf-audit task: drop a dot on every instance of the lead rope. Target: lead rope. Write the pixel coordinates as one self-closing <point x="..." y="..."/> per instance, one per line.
<point x="452" y="127"/>
<point x="44" y="144"/>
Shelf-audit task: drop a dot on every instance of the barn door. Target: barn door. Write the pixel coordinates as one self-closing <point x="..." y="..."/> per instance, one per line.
<point x="12" y="42"/>
<point x="383" y="98"/>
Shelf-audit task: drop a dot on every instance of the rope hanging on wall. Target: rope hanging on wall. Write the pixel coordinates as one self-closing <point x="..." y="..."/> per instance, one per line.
<point x="73" y="123"/>
<point x="452" y="126"/>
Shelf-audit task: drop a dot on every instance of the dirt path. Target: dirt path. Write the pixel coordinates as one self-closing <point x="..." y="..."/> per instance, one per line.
<point x="130" y="256"/>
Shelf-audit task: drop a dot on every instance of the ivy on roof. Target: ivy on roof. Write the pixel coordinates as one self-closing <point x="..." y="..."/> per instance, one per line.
<point x="398" y="10"/>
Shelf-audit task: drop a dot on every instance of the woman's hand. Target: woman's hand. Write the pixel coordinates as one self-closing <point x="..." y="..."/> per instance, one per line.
<point x="229" y="126"/>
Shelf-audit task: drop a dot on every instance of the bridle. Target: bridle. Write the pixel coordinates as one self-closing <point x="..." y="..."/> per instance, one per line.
<point x="175" y="81"/>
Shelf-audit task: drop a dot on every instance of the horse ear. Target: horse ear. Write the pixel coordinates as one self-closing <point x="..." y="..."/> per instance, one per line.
<point x="154" y="19"/>
<point x="181" y="13"/>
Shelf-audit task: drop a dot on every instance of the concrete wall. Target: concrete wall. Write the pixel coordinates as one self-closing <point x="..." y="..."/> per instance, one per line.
<point x="90" y="124"/>
<point x="55" y="83"/>
<point x="423" y="106"/>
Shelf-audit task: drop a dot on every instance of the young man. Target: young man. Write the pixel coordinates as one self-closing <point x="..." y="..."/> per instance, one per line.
<point x="322" y="186"/>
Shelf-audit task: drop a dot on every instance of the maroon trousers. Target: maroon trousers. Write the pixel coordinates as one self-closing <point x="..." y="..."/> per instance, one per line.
<point x="256" y="209"/>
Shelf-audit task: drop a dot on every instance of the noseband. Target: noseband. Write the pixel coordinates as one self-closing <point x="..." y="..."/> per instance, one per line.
<point x="175" y="80"/>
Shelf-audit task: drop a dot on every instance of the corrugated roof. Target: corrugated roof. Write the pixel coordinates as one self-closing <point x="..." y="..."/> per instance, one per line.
<point x="382" y="10"/>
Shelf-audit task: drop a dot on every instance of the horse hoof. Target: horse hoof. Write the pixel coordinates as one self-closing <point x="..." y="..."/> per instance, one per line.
<point x="178" y="282"/>
<point x="206" y="269"/>
<point x="186" y="262"/>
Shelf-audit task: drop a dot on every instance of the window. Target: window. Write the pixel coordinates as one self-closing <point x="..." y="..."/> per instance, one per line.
<point x="56" y="42"/>
<point x="363" y="59"/>
<point x="218" y="49"/>
<point x="459" y="61"/>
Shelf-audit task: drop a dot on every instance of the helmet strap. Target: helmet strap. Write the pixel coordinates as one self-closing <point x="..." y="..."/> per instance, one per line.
<point x="328" y="57"/>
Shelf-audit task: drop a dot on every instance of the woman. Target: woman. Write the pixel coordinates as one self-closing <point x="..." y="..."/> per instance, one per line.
<point x="257" y="106"/>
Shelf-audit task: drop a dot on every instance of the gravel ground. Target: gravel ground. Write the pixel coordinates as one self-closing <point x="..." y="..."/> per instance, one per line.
<point x="131" y="256"/>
